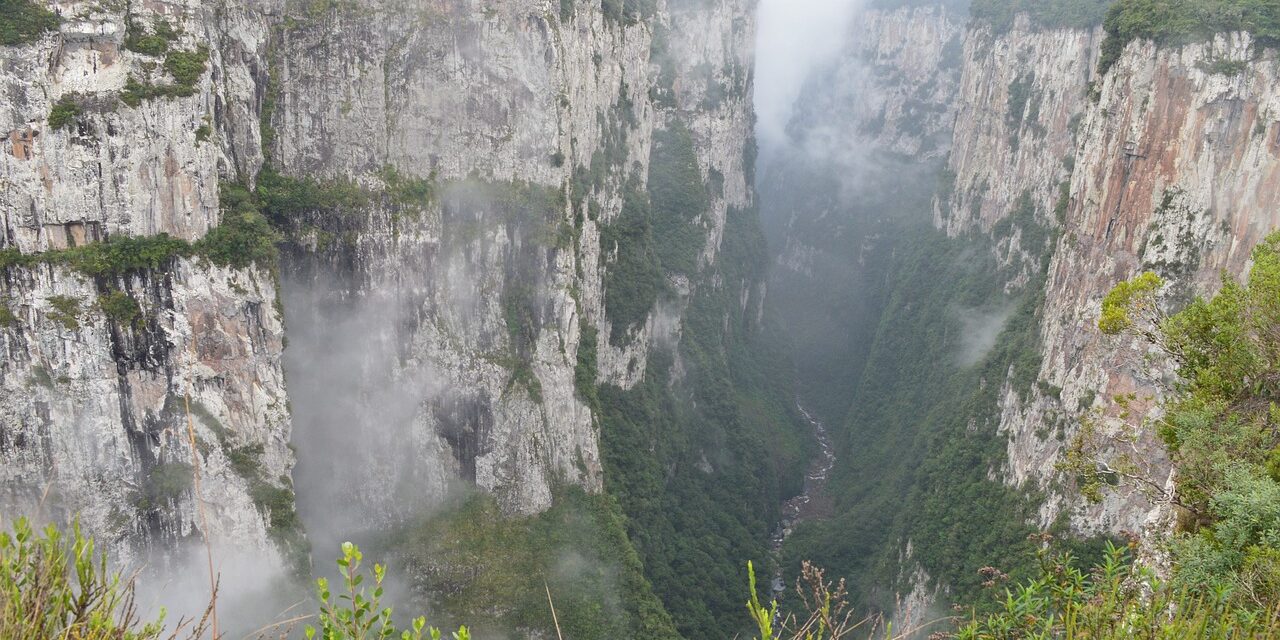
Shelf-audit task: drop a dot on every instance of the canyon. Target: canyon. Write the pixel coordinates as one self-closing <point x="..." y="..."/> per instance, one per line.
<point x="453" y="277"/>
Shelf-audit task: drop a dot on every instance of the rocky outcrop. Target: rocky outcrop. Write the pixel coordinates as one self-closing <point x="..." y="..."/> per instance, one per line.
<point x="1175" y="174"/>
<point x="892" y="88"/>
<point x="464" y="318"/>
<point x="1022" y="96"/>
<point x="434" y="321"/>
<point x="1169" y="169"/>
<point x="102" y="142"/>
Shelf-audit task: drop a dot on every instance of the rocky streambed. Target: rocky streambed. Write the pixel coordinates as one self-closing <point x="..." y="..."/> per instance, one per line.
<point x="812" y="502"/>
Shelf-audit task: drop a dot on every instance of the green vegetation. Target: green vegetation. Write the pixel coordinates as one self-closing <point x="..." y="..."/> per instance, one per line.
<point x="185" y="67"/>
<point x="657" y="234"/>
<point x="521" y="315"/>
<point x="120" y="307"/>
<point x="163" y="484"/>
<point x="23" y="21"/>
<point x="245" y="460"/>
<point x="678" y="197"/>
<point x="1219" y="424"/>
<point x="64" y="112"/>
<point x="283" y="199"/>
<point x="284" y="526"/>
<point x="244" y="238"/>
<point x="1044" y="14"/>
<point x="357" y="613"/>
<point x="113" y="257"/>
<point x="1178" y="22"/>
<point x="923" y="433"/>
<point x="1024" y="107"/>
<point x="627" y="12"/>
<point x="1128" y="299"/>
<point x="587" y="367"/>
<point x="825" y="615"/>
<point x="1019" y="94"/>
<point x="156" y="43"/>
<point x="1223" y="67"/>
<point x="7" y="317"/>
<point x="56" y="586"/>
<point x="65" y="311"/>
<point x="407" y="191"/>
<point x="493" y="570"/>
<point x="1115" y="600"/>
<point x="723" y="442"/>
<point x="634" y="280"/>
<point x="1024" y="220"/>
<point x="204" y="131"/>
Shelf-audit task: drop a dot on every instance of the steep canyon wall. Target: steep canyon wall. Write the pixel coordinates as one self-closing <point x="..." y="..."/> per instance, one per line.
<point x="486" y="211"/>
<point x="1069" y="182"/>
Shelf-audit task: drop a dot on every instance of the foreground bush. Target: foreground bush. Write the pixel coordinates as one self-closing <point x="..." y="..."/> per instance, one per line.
<point x="54" y="586"/>
<point x="1112" y="601"/>
<point x="823" y="612"/>
<point x="358" y="614"/>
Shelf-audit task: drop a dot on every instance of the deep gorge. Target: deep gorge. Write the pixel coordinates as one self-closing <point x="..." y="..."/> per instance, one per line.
<point x="525" y="300"/>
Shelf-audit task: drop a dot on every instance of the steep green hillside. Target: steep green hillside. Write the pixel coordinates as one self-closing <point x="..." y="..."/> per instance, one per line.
<point x="912" y="394"/>
<point x="702" y="452"/>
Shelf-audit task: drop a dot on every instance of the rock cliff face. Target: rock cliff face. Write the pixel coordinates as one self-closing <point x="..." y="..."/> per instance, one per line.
<point x="93" y="417"/>
<point x="1169" y="170"/>
<point x="446" y="330"/>
<point x="1022" y="94"/>
<point x="1077" y="182"/>
<point x="890" y="90"/>
<point x="448" y="178"/>
<point x="1175" y="172"/>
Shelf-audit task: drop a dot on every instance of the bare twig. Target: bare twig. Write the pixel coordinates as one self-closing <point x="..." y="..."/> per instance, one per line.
<point x="554" y="618"/>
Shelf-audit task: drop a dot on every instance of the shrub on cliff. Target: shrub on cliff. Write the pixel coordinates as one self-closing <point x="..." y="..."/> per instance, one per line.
<point x="244" y="237"/>
<point x="1220" y="424"/>
<point x="64" y="112"/>
<point x="22" y="21"/>
<point x="1177" y="22"/>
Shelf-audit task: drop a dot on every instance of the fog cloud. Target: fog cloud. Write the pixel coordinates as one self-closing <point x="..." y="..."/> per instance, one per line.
<point x="794" y="37"/>
<point x="979" y="329"/>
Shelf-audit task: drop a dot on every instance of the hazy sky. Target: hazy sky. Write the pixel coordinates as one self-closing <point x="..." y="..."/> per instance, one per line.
<point x="794" y="36"/>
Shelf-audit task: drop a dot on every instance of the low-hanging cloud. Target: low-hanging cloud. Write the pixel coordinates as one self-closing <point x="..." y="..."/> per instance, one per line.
<point x="979" y="331"/>
<point x="794" y="37"/>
